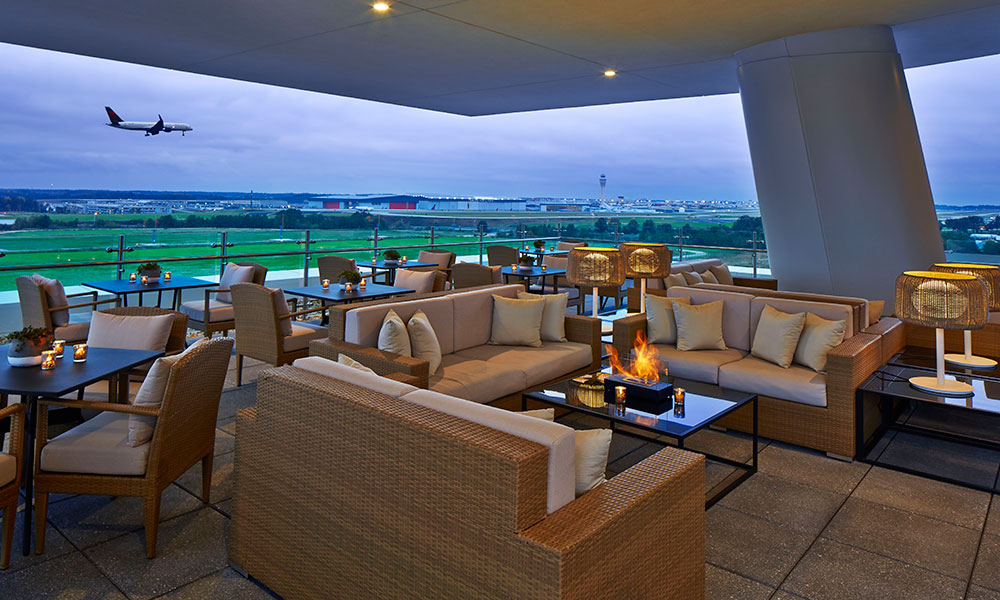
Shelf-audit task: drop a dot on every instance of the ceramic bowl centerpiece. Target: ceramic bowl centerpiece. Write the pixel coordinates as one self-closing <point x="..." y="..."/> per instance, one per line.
<point x="526" y="262"/>
<point x="26" y="346"/>
<point x="391" y="257"/>
<point x="539" y="245"/>
<point x="151" y="270"/>
<point x="351" y="277"/>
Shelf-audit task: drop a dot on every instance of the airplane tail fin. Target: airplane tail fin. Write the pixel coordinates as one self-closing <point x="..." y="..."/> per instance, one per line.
<point x="113" y="115"/>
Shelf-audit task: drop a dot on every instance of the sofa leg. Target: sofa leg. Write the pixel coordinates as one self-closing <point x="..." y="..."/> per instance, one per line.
<point x="239" y="370"/>
<point x="839" y="457"/>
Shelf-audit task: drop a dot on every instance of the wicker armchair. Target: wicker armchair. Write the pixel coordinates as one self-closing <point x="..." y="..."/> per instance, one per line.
<point x="466" y="275"/>
<point x="260" y="328"/>
<point x="9" y="484"/>
<point x="210" y="324"/>
<point x="36" y="312"/>
<point x="184" y="435"/>
<point x="445" y="263"/>
<point x="331" y="266"/>
<point x="501" y="256"/>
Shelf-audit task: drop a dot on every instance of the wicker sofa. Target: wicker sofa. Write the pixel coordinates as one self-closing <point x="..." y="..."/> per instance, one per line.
<point x="659" y="287"/>
<point x="797" y="405"/>
<point x="347" y="492"/>
<point x="471" y="368"/>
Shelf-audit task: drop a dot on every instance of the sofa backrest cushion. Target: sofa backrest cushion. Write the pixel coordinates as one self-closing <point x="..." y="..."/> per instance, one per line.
<point x="859" y="305"/>
<point x="559" y="439"/>
<point x="361" y="326"/>
<point x="826" y="310"/>
<point x="735" y="312"/>
<point x="474" y="315"/>
<point x="371" y="381"/>
<point x="701" y="265"/>
<point x="681" y="267"/>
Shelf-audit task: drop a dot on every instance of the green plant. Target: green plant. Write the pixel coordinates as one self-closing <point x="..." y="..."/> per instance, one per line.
<point x="526" y="260"/>
<point x="349" y="276"/>
<point x="539" y="244"/>
<point x="38" y="336"/>
<point x="150" y="266"/>
<point x="391" y="255"/>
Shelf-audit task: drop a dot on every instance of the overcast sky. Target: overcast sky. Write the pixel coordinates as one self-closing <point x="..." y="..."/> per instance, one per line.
<point x="250" y="136"/>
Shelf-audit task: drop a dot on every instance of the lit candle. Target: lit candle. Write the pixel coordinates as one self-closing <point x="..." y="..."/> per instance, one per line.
<point x="166" y="276"/>
<point x="326" y="284"/>
<point x="619" y="394"/>
<point x="59" y="346"/>
<point x="347" y="286"/>
<point x="679" y="402"/>
<point x="131" y="277"/>
<point x="80" y="353"/>
<point x="543" y="268"/>
<point x="363" y="283"/>
<point x="145" y="280"/>
<point x="552" y="248"/>
<point x="403" y="259"/>
<point x="374" y="260"/>
<point x="48" y="359"/>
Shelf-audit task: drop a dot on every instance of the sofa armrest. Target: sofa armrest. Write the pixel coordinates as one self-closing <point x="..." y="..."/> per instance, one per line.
<point x="652" y="516"/>
<point x="755" y="282"/>
<point x="382" y="362"/>
<point x="624" y="332"/>
<point x="585" y="330"/>
<point x="404" y="378"/>
<point x="893" y="334"/>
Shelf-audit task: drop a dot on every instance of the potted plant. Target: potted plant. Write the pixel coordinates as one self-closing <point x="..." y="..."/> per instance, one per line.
<point x="151" y="270"/>
<point x="391" y="257"/>
<point x="539" y="245"/>
<point x="352" y="277"/>
<point x="26" y="346"/>
<point x="526" y="261"/>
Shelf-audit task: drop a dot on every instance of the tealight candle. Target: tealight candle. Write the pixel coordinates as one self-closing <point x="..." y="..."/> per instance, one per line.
<point x="374" y="260"/>
<point x="363" y="283"/>
<point x="131" y="277"/>
<point x="48" y="359"/>
<point x="552" y="248"/>
<point x="166" y="276"/>
<point x="326" y="284"/>
<point x="619" y="394"/>
<point x="679" y="402"/>
<point x="347" y="286"/>
<point x="403" y="259"/>
<point x="544" y="268"/>
<point x="59" y="346"/>
<point x="80" y="353"/>
<point x="144" y="280"/>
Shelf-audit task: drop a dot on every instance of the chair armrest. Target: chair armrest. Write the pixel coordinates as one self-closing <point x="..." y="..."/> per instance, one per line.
<point x="651" y="518"/>
<point x="92" y="294"/>
<point x="585" y="330"/>
<point x="15" y="412"/>
<point x="624" y="332"/>
<point x="129" y="409"/>
<point x="382" y="362"/>
<point x="305" y="311"/>
<point x="82" y="304"/>
<point x="759" y="283"/>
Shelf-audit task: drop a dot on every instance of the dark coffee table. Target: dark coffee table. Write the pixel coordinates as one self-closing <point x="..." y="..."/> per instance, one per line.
<point x="121" y="288"/>
<point x="704" y="405"/>
<point x="534" y="273"/>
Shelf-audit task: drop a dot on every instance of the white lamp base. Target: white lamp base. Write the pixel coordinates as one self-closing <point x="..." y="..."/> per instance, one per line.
<point x="950" y="387"/>
<point x="970" y="362"/>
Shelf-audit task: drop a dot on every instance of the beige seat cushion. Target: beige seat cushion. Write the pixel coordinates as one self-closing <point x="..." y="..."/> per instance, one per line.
<point x="302" y="334"/>
<point x="551" y="360"/>
<point x="129" y="332"/>
<point x="700" y="365"/>
<point x="476" y="380"/>
<point x="795" y="384"/>
<point x="74" y="332"/>
<point x="777" y="336"/>
<point x="8" y="469"/>
<point x="99" y="446"/>
<point x="217" y="310"/>
<point x="700" y="327"/>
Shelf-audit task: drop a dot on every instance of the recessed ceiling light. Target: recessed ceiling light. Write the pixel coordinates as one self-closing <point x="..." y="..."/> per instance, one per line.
<point x="381" y="6"/>
<point x="610" y="73"/>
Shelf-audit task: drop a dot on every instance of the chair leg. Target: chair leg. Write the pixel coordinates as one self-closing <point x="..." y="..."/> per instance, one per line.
<point x="206" y="476"/>
<point x="239" y="370"/>
<point x="7" y="541"/>
<point x="41" y="513"/>
<point x="151" y="518"/>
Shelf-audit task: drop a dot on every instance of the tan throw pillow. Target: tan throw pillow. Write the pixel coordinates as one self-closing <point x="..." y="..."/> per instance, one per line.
<point x="675" y="279"/>
<point x="661" y="327"/>
<point x="699" y="327"/>
<point x="233" y="274"/>
<point x="722" y="274"/>
<point x="129" y="332"/>
<point x="140" y="427"/>
<point x="281" y="308"/>
<point x="818" y="337"/>
<point x="423" y="341"/>
<point x="591" y="455"/>
<point x="691" y="278"/>
<point x="875" y="308"/>
<point x="516" y="322"/>
<point x="553" y="315"/>
<point x="777" y="336"/>
<point x="350" y="362"/>
<point x="393" y="336"/>
<point x="708" y="277"/>
<point x="419" y="281"/>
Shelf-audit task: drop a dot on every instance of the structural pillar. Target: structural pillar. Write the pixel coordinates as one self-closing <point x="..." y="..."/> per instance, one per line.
<point x="837" y="162"/>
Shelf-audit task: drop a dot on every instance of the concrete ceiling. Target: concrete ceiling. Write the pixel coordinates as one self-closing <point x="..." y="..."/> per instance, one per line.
<point x="476" y="57"/>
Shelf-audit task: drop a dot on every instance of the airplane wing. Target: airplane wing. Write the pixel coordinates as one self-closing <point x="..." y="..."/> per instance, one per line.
<point x="156" y="128"/>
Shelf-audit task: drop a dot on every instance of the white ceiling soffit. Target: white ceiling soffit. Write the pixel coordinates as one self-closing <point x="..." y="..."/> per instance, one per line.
<point x="476" y="57"/>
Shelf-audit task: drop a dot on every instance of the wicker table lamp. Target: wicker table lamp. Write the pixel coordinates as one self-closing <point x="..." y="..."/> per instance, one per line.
<point x="942" y="301"/>
<point x="990" y="274"/>
<point x="645" y="261"/>
<point x="593" y="266"/>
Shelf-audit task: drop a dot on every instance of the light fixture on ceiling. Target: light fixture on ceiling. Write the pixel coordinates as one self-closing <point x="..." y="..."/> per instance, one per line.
<point x="381" y="6"/>
<point x="610" y="73"/>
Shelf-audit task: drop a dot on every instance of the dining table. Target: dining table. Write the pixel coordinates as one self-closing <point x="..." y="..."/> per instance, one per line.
<point x="121" y="288"/>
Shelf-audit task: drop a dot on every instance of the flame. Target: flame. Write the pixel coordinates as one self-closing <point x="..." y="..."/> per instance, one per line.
<point x="645" y="367"/>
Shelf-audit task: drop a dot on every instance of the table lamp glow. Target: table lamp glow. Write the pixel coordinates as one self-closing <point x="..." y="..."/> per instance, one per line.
<point x="990" y="275"/>
<point x="645" y="261"/>
<point x="593" y="266"/>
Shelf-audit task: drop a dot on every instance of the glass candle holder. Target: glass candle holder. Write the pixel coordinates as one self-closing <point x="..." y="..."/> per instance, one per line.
<point x="544" y="268"/>
<point x="166" y="276"/>
<point x="144" y="280"/>
<point x="402" y="259"/>
<point x="326" y="284"/>
<point x="48" y="359"/>
<point x="374" y="260"/>
<point x="59" y="346"/>
<point x="619" y="394"/>
<point x="347" y="286"/>
<point x="679" y="402"/>
<point x="80" y="353"/>
<point x="514" y="268"/>
<point x="131" y="277"/>
<point x="552" y="248"/>
<point x="363" y="283"/>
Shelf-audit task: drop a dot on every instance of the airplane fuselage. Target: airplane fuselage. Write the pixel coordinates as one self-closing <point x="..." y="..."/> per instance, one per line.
<point x="139" y="126"/>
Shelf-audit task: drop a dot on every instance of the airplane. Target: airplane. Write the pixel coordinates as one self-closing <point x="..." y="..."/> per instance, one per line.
<point x="149" y="128"/>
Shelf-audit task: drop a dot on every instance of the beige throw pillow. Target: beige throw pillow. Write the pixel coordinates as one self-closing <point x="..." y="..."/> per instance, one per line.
<point x="699" y="327"/>
<point x="777" y="336"/>
<point x="419" y="281"/>
<point x="661" y="327"/>
<point x="517" y="322"/>
<point x="708" y="277"/>
<point x="154" y="386"/>
<point x="281" y="308"/>
<point x="423" y="341"/>
<point x="591" y="455"/>
<point x="675" y="279"/>
<point x="233" y="274"/>
<point x="722" y="274"/>
<point x="875" y="308"/>
<point x="553" y="315"/>
<point x="350" y="362"/>
<point x="393" y="336"/>
<point x="691" y="278"/>
<point x="818" y="337"/>
<point x="55" y="295"/>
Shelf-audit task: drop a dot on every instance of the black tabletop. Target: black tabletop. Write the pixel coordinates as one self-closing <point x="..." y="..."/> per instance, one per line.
<point x="124" y="286"/>
<point x="381" y="264"/>
<point x="535" y="252"/>
<point x="336" y="294"/>
<point x="704" y="403"/>
<point x="531" y="272"/>
<point x="924" y="358"/>
<point x="894" y="381"/>
<point x="68" y="375"/>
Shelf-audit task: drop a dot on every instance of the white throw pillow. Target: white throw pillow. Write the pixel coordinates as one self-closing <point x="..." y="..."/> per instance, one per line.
<point x="553" y="315"/>
<point x="692" y="278"/>
<point x="393" y="336"/>
<point x="350" y="362"/>
<point x="516" y="322"/>
<point x="55" y="294"/>
<point x="281" y="307"/>
<point x="129" y="332"/>
<point x="419" y="281"/>
<point x="722" y="274"/>
<point x="699" y="327"/>
<point x="423" y="341"/>
<point x="661" y="327"/>
<point x="777" y="336"/>
<point x="233" y="274"/>
<point x="154" y="386"/>
<point x="592" y="448"/>
<point x="818" y="337"/>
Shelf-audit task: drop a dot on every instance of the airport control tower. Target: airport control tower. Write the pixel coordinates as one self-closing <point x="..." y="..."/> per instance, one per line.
<point x="604" y="182"/>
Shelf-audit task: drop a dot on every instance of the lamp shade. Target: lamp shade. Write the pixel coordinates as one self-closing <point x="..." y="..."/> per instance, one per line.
<point x="990" y="274"/>
<point x="646" y="261"/>
<point x="593" y="266"/>
<point x="942" y="300"/>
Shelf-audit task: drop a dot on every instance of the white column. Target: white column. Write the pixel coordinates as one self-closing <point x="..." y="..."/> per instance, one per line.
<point x="837" y="162"/>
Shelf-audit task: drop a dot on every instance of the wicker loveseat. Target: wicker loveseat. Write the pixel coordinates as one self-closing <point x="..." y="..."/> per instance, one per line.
<point x="471" y="368"/>
<point x="346" y="492"/>
<point x="797" y="404"/>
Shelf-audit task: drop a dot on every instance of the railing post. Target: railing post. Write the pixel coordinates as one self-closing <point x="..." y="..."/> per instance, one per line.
<point x="222" y="253"/>
<point x="121" y="250"/>
<point x="618" y="231"/>
<point x="754" y="255"/>
<point x="680" y="245"/>
<point x="305" y="262"/>
<point x="432" y="237"/>
<point x="375" y="242"/>
<point x="480" y="243"/>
